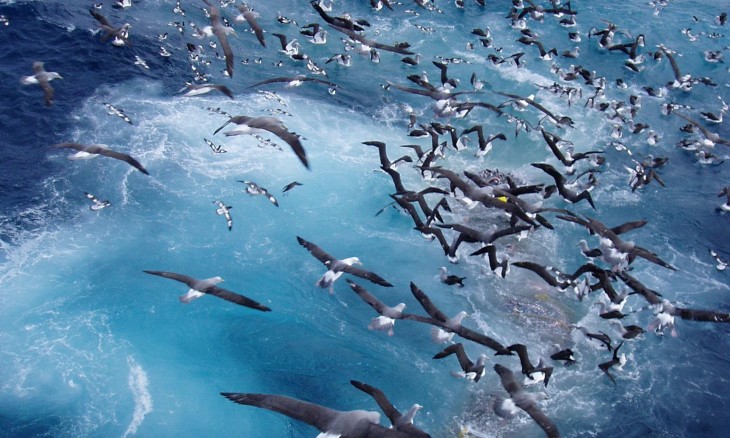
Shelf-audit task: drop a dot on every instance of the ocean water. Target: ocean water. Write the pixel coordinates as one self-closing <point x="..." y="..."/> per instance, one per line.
<point x="92" y="346"/>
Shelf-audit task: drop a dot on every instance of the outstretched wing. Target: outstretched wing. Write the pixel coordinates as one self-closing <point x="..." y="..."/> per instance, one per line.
<point x="310" y="413"/>
<point x="236" y="298"/>
<point x="316" y="251"/>
<point x="386" y="406"/>
<point x="190" y="281"/>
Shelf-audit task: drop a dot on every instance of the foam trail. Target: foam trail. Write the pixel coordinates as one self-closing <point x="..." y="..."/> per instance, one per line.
<point x="139" y="384"/>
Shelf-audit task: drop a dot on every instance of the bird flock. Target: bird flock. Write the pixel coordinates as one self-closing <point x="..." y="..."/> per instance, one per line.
<point x="487" y="209"/>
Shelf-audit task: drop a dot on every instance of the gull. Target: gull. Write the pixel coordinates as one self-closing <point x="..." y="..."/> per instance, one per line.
<point x="224" y="210"/>
<point x="331" y="422"/>
<point x="335" y="267"/>
<point x="43" y="78"/>
<point x="401" y="422"/>
<point x="254" y="189"/>
<point x="198" y="288"/>
<point x="257" y="125"/>
<point x="87" y="151"/>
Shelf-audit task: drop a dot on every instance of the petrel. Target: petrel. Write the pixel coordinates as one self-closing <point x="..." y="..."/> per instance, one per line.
<point x="258" y="125"/>
<point x="87" y="151"/>
<point x="224" y="210"/>
<point x="333" y="423"/>
<point x="335" y="267"/>
<point x="198" y="288"/>
<point x="96" y="203"/>
<point x="254" y="189"/>
<point x="43" y="78"/>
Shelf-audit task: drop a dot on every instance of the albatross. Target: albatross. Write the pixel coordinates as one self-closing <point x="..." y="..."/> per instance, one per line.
<point x="88" y="151"/>
<point x="335" y="267"/>
<point x="402" y="422"/>
<point x="258" y="125"/>
<point x="198" y="288"/>
<point x="43" y="78"/>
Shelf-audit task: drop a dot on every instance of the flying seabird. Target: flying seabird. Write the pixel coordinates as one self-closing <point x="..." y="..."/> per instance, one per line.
<point x="331" y="422"/>
<point x="254" y="189"/>
<point x="216" y="149"/>
<point x="470" y="370"/>
<point x="120" y="34"/>
<point x="560" y="182"/>
<point x="248" y="15"/>
<point x="294" y="81"/>
<point x="564" y="355"/>
<point x="221" y="31"/>
<point x="547" y="273"/>
<point x="627" y="331"/>
<point x="388" y="315"/>
<point x="198" y="288"/>
<point x="96" y="203"/>
<point x="441" y="321"/>
<point x="471" y="235"/>
<point x="224" y="210"/>
<point x="400" y="422"/>
<point x="711" y="138"/>
<point x="43" y="78"/>
<point x="560" y="121"/>
<point x="524" y="400"/>
<point x="335" y="267"/>
<point x="257" y="125"/>
<point x="198" y="89"/>
<point x="600" y="337"/>
<point x="290" y="186"/>
<point x="618" y="361"/>
<point x="721" y="264"/>
<point x="87" y="151"/>
<point x="494" y="264"/>
<point x="535" y="374"/>
<point x="114" y="111"/>
<point x="450" y="279"/>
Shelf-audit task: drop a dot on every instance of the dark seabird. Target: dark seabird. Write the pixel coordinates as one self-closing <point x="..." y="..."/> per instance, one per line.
<point x="290" y="186"/>
<point x="114" y="111"/>
<point x="564" y="355"/>
<point x="711" y="138"/>
<point x="525" y="401"/>
<point x="628" y="331"/>
<point x="600" y="337"/>
<point x="216" y="149"/>
<point x="441" y="321"/>
<point x="550" y="275"/>
<point x="43" y="78"/>
<point x="254" y="189"/>
<point x="469" y="370"/>
<point x="96" y="203"/>
<point x="450" y="279"/>
<point x="198" y="288"/>
<point x="87" y="151"/>
<point x="335" y="267"/>
<point x="249" y="16"/>
<point x="401" y="422"/>
<point x="535" y="374"/>
<point x="221" y="31"/>
<point x="388" y="315"/>
<point x="617" y="361"/>
<point x="120" y="34"/>
<point x="294" y="81"/>
<point x="289" y="48"/>
<point x="198" y="89"/>
<point x="560" y="182"/>
<point x="258" y="125"/>
<point x="471" y="235"/>
<point x="331" y="422"/>
<point x="494" y="264"/>
<point x="224" y="210"/>
<point x="561" y="121"/>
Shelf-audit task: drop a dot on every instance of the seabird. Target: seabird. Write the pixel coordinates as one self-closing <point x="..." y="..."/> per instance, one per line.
<point x="494" y="264"/>
<point x="221" y="31"/>
<point x="627" y="331"/>
<point x="248" y="15"/>
<point x="120" y="34"/>
<point x="471" y="235"/>
<point x="290" y="186"/>
<point x="469" y="370"/>
<point x="331" y="422"/>
<point x="198" y="89"/>
<point x="388" y="315"/>
<point x="600" y="337"/>
<point x="561" y="120"/>
<point x="224" y="210"/>
<point x="257" y="125"/>
<point x="254" y="189"/>
<point x="43" y="78"/>
<point x="114" y="111"/>
<point x="87" y="151"/>
<point x="564" y="355"/>
<point x="289" y="48"/>
<point x="335" y="267"/>
<point x="524" y="400"/>
<point x="535" y="374"/>
<point x="711" y="138"/>
<point x="294" y="81"/>
<point x="721" y="264"/>
<point x="400" y="422"/>
<point x="96" y="203"/>
<point x="217" y="149"/>
<point x="450" y="279"/>
<point x="440" y="321"/>
<point x="618" y="361"/>
<point x="198" y="288"/>
<point x="560" y="182"/>
<point x="547" y="273"/>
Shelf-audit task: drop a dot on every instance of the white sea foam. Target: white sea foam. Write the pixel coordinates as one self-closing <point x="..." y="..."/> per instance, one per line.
<point x="139" y="385"/>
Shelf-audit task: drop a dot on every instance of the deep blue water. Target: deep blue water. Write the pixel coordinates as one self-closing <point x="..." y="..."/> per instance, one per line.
<point x="92" y="346"/>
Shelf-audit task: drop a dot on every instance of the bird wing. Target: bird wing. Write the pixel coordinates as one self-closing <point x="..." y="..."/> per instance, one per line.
<point x="276" y="127"/>
<point x="386" y="406"/>
<point x="121" y="156"/>
<point x="235" y="298"/>
<point x="367" y="296"/>
<point x="251" y="19"/>
<point x="539" y="270"/>
<point x="310" y="413"/>
<point x="427" y="305"/>
<point x="316" y="251"/>
<point x="483" y="339"/>
<point x="101" y="19"/>
<point x="512" y="386"/>
<point x="190" y="281"/>
<point x="367" y="275"/>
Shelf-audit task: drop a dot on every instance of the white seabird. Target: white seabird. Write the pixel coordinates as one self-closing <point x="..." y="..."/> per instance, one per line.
<point x="43" y="78"/>
<point x="87" y="151"/>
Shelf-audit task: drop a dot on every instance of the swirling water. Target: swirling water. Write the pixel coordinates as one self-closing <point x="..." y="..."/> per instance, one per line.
<point x="92" y="346"/>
